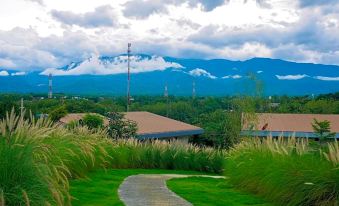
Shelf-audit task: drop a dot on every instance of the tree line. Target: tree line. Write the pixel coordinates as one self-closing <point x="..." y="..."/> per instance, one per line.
<point x="219" y="116"/>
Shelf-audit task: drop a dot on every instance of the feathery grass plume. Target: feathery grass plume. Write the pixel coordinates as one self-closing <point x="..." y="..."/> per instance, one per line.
<point x="24" y="194"/>
<point x="2" y="198"/>
<point x="332" y="154"/>
<point x="286" y="172"/>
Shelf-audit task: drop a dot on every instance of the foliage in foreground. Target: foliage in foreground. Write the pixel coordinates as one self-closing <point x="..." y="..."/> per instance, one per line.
<point x="286" y="172"/>
<point x="37" y="159"/>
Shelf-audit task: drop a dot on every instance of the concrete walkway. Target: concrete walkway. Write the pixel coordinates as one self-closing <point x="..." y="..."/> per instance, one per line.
<point x="151" y="190"/>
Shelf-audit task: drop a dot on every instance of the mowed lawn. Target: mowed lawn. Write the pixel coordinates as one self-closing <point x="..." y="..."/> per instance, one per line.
<point x="203" y="191"/>
<point x="100" y="188"/>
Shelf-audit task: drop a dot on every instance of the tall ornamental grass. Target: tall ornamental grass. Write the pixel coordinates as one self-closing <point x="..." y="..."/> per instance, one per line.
<point x="165" y="155"/>
<point x="37" y="159"/>
<point x="287" y="172"/>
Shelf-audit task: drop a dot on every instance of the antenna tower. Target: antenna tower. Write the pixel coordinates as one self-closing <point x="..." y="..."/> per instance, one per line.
<point x="128" y="75"/>
<point x="22" y="107"/>
<point x="193" y="90"/>
<point x="167" y="100"/>
<point x="50" y="92"/>
<point x="166" y="91"/>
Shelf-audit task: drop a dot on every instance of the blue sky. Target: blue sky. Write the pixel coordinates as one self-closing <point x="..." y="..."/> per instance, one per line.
<point x="41" y="34"/>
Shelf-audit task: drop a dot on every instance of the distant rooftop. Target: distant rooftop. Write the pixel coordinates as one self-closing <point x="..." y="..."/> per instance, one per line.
<point x="149" y="125"/>
<point x="155" y="126"/>
<point x="299" y="125"/>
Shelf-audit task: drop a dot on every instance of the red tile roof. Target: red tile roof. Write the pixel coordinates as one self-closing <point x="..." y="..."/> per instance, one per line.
<point x="152" y="123"/>
<point x="149" y="124"/>
<point x="292" y="122"/>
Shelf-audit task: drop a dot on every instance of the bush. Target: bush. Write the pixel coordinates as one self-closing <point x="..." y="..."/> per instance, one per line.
<point x="120" y="128"/>
<point x="285" y="172"/>
<point x="57" y="113"/>
<point x="222" y="129"/>
<point x="93" y="121"/>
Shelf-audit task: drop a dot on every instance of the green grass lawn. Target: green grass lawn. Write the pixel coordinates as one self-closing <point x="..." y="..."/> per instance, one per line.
<point x="101" y="187"/>
<point x="209" y="191"/>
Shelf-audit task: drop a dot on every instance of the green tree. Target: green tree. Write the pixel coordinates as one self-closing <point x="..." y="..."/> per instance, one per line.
<point x="57" y="113"/>
<point x="93" y="121"/>
<point x="322" y="129"/>
<point x="119" y="127"/>
<point x="222" y="129"/>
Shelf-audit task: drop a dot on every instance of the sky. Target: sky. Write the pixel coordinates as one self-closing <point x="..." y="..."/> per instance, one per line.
<point x="42" y="34"/>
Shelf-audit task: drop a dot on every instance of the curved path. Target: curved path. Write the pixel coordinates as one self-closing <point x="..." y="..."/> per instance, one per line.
<point x="151" y="190"/>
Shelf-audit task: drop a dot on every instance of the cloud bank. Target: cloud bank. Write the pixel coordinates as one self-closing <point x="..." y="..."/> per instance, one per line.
<point x="3" y="73"/>
<point x="117" y="65"/>
<point x="232" y="77"/>
<point x="327" y="78"/>
<point x="201" y="72"/>
<point x="291" y="77"/>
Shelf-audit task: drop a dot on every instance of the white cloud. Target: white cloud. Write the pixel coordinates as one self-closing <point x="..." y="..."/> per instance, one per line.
<point x="3" y="73"/>
<point x="101" y="16"/>
<point x="116" y="65"/>
<point x="327" y="78"/>
<point x="201" y="72"/>
<point x="291" y="77"/>
<point x="18" y="74"/>
<point x="232" y="77"/>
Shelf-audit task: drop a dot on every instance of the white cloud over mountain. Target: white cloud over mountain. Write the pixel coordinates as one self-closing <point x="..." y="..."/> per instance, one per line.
<point x="327" y="78"/>
<point x="3" y="73"/>
<point x="117" y="65"/>
<point x="18" y="74"/>
<point x="291" y="77"/>
<point x="236" y="76"/>
<point x="201" y="72"/>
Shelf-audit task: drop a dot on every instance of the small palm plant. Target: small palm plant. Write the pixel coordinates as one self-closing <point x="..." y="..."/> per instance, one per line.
<point x="322" y="129"/>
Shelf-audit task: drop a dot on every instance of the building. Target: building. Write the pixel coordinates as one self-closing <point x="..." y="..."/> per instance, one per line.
<point x="287" y="125"/>
<point x="150" y="126"/>
<point x="155" y="126"/>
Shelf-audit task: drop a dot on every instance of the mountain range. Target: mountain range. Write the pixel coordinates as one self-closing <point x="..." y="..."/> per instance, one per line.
<point x="104" y="75"/>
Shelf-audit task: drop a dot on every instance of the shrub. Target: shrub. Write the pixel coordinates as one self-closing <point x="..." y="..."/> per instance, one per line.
<point x="285" y="172"/>
<point x="120" y="128"/>
<point x="93" y="121"/>
<point x="57" y="113"/>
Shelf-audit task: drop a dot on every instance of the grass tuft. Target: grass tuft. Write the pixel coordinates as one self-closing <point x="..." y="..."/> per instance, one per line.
<point x="285" y="172"/>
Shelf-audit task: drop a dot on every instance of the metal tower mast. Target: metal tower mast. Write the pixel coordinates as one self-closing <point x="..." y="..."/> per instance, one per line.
<point x="128" y="76"/>
<point x="22" y="107"/>
<point x="166" y="91"/>
<point x="167" y="100"/>
<point x="193" y="90"/>
<point x="50" y="93"/>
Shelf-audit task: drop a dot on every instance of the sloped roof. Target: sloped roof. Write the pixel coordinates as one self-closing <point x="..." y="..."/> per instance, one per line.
<point x="149" y="125"/>
<point x="289" y="123"/>
<point x="155" y="126"/>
